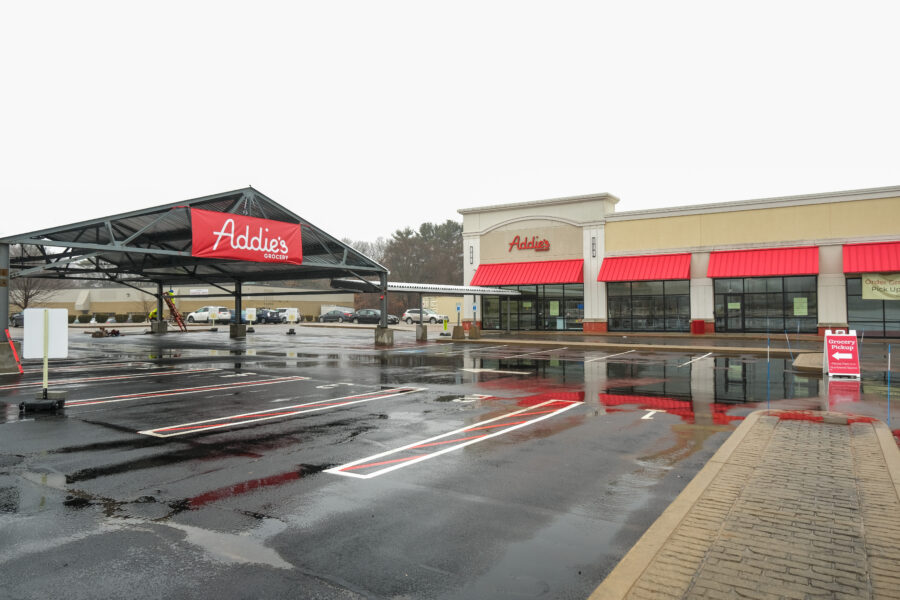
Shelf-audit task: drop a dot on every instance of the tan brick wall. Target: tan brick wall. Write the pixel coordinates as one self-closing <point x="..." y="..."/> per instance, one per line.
<point x="803" y="223"/>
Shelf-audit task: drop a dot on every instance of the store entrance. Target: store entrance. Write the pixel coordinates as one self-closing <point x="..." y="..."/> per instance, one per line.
<point x="539" y="308"/>
<point x="734" y="312"/>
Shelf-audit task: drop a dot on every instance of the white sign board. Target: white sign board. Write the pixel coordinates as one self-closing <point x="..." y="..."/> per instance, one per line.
<point x="250" y="313"/>
<point x="199" y="291"/>
<point x="57" y="333"/>
<point x="292" y="315"/>
<point x="214" y="314"/>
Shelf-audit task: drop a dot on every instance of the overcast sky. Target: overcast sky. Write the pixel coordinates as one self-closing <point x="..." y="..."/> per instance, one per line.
<point x="364" y="117"/>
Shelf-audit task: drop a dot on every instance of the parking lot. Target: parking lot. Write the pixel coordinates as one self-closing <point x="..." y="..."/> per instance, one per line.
<point x="317" y="465"/>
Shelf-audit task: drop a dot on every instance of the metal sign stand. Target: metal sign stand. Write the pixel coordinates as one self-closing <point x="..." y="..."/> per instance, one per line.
<point x="53" y="344"/>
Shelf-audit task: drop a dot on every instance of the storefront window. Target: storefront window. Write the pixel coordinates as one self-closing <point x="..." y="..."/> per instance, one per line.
<point x="649" y="306"/>
<point x="766" y="304"/>
<point x="877" y="318"/>
<point x="541" y="307"/>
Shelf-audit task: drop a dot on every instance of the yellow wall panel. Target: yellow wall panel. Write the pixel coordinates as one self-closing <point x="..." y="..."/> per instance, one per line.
<point x="801" y="223"/>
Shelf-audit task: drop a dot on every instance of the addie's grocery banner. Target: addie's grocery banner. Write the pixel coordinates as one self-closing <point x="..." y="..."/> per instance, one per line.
<point x="881" y="286"/>
<point x="236" y="237"/>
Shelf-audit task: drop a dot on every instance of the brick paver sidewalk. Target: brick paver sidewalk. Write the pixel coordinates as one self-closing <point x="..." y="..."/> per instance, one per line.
<point x="787" y="508"/>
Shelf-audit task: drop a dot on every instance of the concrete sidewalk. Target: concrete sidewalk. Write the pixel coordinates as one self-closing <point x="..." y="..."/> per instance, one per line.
<point x="793" y="505"/>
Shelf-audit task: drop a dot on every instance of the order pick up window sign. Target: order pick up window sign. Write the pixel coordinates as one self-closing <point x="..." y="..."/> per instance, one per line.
<point x="237" y="237"/>
<point x="842" y="353"/>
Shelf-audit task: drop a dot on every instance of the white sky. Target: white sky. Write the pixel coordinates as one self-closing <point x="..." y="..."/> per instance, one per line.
<point x="364" y="117"/>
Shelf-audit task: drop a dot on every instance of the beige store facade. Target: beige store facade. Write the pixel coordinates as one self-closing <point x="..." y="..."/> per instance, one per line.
<point x="797" y="264"/>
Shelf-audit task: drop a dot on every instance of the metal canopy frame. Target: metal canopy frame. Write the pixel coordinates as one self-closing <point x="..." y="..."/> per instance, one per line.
<point x="153" y="246"/>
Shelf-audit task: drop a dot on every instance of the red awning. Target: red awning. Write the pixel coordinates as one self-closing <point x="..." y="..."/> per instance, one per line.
<point x="872" y="258"/>
<point x="528" y="273"/>
<point x="769" y="262"/>
<point x="645" y="268"/>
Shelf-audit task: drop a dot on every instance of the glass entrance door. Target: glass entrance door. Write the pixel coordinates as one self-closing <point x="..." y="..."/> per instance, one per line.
<point x="734" y="312"/>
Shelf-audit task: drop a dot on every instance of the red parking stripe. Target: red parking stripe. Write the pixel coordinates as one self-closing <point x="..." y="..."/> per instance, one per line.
<point x="496" y="425"/>
<point x="474" y="437"/>
<point x="375" y="464"/>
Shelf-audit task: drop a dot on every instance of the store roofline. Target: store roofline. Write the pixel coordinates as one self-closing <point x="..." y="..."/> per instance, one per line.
<point x="531" y="203"/>
<point x="757" y="203"/>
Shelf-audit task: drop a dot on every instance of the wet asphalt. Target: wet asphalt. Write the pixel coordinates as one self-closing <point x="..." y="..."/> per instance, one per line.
<point x="319" y="466"/>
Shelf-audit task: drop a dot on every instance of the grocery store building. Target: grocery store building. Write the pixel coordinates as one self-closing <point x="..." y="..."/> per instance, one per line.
<point x="796" y="264"/>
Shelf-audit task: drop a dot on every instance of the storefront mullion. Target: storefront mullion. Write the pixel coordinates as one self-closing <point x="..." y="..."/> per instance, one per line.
<point x="876" y="318"/>
<point x="551" y="307"/>
<point x="648" y="305"/>
<point x="763" y="304"/>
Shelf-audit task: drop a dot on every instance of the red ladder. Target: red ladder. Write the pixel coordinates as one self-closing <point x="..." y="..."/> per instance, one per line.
<point x="174" y="312"/>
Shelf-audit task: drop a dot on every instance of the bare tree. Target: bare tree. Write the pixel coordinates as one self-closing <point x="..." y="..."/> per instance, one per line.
<point x="26" y="292"/>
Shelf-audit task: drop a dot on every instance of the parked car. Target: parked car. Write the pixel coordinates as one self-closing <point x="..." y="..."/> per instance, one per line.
<point x="412" y="315"/>
<point x="282" y="314"/>
<point x="201" y="315"/>
<point x="372" y="315"/>
<point x="267" y="315"/>
<point x="17" y="320"/>
<point x="333" y="316"/>
<point x="367" y="315"/>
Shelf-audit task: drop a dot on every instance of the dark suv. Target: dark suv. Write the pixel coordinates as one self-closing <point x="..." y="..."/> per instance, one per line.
<point x="17" y="320"/>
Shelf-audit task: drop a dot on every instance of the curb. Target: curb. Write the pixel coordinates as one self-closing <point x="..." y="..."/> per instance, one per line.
<point x="635" y="562"/>
<point x="735" y="350"/>
<point x="891" y="452"/>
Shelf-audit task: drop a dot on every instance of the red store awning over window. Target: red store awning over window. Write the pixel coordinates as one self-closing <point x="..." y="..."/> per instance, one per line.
<point x="645" y="268"/>
<point x="530" y="273"/>
<point x="872" y="258"/>
<point x="769" y="262"/>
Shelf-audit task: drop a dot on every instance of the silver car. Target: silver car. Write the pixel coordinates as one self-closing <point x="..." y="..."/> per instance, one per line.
<point x="202" y="315"/>
<point x="412" y="316"/>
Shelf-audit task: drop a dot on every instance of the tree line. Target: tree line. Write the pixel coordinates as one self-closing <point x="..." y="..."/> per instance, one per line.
<point x="431" y="254"/>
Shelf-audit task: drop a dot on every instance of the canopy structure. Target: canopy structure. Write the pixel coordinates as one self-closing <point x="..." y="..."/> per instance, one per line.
<point x="530" y="273"/>
<point x="650" y="267"/>
<point x="872" y="258"/>
<point x="423" y="288"/>
<point x="157" y="245"/>
<point x="766" y="262"/>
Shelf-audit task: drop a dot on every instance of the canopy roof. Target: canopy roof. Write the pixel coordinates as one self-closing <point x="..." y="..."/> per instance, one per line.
<point x="154" y="246"/>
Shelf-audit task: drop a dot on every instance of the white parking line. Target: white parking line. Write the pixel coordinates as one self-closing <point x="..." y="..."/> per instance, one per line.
<point x="274" y="413"/>
<point x="531" y="353"/>
<point x="610" y="356"/>
<point x="497" y="371"/>
<point x="177" y="391"/>
<point x="107" y="378"/>
<point x="466" y="441"/>
<point x="696" y="359"/>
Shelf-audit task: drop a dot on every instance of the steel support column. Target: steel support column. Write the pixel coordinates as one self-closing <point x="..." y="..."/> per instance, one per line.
<point x="237" y="302"/>
<point x="384" y="300"/>
<point x="4" y="290"/>
<point x="159" y="302"/>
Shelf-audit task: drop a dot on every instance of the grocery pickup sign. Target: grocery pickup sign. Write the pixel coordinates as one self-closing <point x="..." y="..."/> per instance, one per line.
<point x="881" y="286"/>
<point x="237" y="237"/>
<point x="842" y="354"/>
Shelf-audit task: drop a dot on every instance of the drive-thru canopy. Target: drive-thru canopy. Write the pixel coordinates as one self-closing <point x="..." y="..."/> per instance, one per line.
<point x="223" y="239"/>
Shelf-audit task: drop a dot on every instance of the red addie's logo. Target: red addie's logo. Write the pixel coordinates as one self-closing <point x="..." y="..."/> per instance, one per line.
<point x="236" y="237"/>
<point x="529" y="244"/>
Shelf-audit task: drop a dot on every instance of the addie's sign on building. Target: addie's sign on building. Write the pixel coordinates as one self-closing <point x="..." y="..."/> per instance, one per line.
<point x="532" y="243"/>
